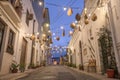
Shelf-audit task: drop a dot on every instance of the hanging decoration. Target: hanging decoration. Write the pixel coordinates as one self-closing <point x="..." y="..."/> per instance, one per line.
<point x="32" y="37"/>
<point x="50" y="41"/>
<point x="72" y="25"/>
<point x="63" y="33"/>
<point x="69" y="12"/>
<point x="70" y="33"/>
<point x="94" y="17"/>
<point x="86" y="21"/>
<point x="78" y="17"/>
<point x="57" y="38"/>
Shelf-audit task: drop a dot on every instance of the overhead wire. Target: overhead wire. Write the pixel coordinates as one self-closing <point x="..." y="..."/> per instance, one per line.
<point x="63" y="12"/>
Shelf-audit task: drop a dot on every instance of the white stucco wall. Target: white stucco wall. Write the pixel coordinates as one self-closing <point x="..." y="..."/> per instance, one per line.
<point x="20" y="33"/>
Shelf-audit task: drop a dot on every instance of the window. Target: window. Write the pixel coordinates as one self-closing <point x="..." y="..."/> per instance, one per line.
<point x="10" y="46"/>
<point x="27" y="19"/>
<point x="2" y="27"/>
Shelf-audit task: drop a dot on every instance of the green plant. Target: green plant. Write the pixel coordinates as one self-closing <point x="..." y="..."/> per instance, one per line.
<point x="14" y="67"/>
<point x="106" y="44"/>
<point x="22" y="67"/>
<point x="74" y="65"/>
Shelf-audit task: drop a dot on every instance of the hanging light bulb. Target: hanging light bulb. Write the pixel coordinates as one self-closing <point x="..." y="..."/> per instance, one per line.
<point x="55" y="38"/>
<point x="62" y="27"/>
<point x="69" y="12"/>
<point x="85" y="10"/>
<point x="70" y="33"/>
<point x="37" y="33"/>
<point x="47" y="24"/>
<point x="64" y="8"/>
<point x="53" y="34"/>
<point x="40" y="3"/>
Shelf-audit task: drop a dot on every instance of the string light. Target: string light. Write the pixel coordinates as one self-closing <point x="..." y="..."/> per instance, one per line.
<point x="40" y="3"/>
<point x="98" y="8"/>
<point x="64" y="8"/>
<point x="75" y="21"/>
<point x="47" y="25"/>
<point x="37" y="33"/>
<point x="62" y="27"/>
<point x="54" y="38"/>
<point x="53" y="34"/>
<point x="89" y="15"/>
<point x="49" y="31"/>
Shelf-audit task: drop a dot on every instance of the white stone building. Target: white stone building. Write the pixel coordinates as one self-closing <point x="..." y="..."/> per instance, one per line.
<point x="89" y="54"/>
<point x="17" y="22"/>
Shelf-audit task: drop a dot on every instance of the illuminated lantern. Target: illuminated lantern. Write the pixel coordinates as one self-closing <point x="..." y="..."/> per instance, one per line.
<point x="69" y="12"/>
<point x="86" y="21"/>
<point x="78" y="17"/>
<point x="57" y="38"/>
<point x="32" y="37"/>
<point x="72" y="25"/>
<point x="94" y="17"/>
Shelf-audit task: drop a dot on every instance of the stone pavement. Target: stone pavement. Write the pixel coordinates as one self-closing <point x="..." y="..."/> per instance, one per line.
<point x="98" y="76"/>
<point x="50" y="72"/>
<point x="14" y="76"/>
<point x="57" y="73"/>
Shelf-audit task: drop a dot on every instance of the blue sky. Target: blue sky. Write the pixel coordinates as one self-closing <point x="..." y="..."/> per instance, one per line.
<point x="59" y="17"/>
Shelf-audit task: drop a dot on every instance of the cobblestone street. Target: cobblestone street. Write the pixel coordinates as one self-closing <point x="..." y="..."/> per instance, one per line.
<point x="57" y="73"/>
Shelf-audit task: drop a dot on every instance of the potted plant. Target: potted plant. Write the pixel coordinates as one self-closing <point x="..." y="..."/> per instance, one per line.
<point x="22" y="67"/>
<point x="108" y="56"/>
<point x="14" y="68"/>
<point x="110" y="72"/>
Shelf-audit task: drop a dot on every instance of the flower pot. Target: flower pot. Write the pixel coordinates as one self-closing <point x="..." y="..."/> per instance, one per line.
<point x="110" y="73"/>
<point x="14" y="70"/>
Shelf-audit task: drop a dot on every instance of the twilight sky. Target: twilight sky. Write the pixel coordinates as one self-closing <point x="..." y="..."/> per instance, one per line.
<point x="59" y="17"/>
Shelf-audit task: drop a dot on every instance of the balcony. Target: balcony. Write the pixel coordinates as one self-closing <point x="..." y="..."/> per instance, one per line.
<point x="13" y="8"/>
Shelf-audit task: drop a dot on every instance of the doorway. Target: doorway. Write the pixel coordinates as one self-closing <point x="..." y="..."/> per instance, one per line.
<point x="23" y="52"/>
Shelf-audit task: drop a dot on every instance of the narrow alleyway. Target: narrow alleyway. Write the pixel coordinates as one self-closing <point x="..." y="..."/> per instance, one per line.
<point x="57" y="73"/>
